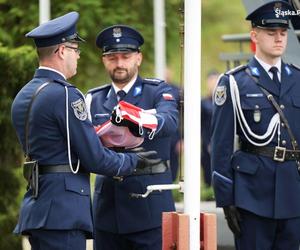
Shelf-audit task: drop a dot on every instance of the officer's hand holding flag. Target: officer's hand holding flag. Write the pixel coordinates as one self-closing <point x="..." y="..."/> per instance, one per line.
<point x="136" y="119"/>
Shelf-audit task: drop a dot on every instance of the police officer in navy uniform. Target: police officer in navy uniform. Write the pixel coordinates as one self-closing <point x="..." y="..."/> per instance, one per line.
<point x="255" y="156"/>
<point x="53" y="128"/>
<point x="122" y="221"/>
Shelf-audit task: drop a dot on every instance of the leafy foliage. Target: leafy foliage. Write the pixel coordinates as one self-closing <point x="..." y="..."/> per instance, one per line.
<point x="17" y="68"/>
<point x="95" y="15"/>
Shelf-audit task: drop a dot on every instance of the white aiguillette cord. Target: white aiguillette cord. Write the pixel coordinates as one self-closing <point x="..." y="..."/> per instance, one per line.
<point x="68" y="136"/>
<point x="238" y="112"/>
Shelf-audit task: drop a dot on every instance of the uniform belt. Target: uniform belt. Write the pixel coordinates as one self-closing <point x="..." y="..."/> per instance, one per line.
<point x="58" y="169"/>
<point x="276" y="153"/>
<point x="155" y="169"/>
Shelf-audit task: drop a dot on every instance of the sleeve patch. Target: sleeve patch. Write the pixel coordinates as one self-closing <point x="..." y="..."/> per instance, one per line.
<point x="220" y="95"/>
<point x="79" y="109"/>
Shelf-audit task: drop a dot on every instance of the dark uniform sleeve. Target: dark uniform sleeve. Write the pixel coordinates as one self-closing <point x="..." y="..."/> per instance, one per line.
<point x="222" y="144"/>
<point x="167" y="112"/>
<point x="85" y="143"/>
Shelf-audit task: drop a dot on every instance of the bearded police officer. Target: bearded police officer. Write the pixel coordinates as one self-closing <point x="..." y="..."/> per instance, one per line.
<point x="123" y="221"/>
<point x="256" y="131"/>
<point x="60" y="143"/>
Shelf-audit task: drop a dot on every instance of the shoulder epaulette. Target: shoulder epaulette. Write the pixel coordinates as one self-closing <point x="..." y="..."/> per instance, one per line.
<point x="295" y="66"/>
<point x="236" y="69"/>
<point x="97" y="89"/>
<point x="153" y="81"/>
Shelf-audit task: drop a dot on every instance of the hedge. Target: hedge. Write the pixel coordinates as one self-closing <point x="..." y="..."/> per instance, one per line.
<point x="17" y="67"/>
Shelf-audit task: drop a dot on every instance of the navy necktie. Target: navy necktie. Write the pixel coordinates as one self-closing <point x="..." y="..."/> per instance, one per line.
<point x="274" y="71"/>
<point x="121" y="94"/>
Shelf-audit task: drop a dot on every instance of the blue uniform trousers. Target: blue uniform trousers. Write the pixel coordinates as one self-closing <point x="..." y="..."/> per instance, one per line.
<point x="144" y="240"/>
<point x="261" y="233"/>
<point x="57" y="239"/>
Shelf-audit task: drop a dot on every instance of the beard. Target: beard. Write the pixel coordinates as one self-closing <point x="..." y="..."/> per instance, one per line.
<point x="121" y="75"/>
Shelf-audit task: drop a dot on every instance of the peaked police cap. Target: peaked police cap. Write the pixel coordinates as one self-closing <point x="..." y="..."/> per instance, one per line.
<point x="59" y="30"/>
<point x="274" y="14"/>
<point x="119" y="39"/>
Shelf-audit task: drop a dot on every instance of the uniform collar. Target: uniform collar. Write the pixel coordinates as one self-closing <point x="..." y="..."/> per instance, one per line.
<point x="49" y="74"/>
<point x="264" y="79"/>
<point x="267" y="66"/>
<point x="127" y="87"/>
<point x="266" y="82"/>
<point x="51" y="69"/>
<point x="133" y="95"/>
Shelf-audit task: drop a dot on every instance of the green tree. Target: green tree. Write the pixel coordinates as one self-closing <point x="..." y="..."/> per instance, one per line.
<point x="15" y="22"/>
<point x="17" y="67"/>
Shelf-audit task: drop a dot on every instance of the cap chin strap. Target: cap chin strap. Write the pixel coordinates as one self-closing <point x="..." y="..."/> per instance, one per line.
<point x="73" y="38"/>
<point x="68" y="136"/>
<point x="119" y="48"/>
<point x="274" y="124"/>
<point x="278" y="22"/>
<point x="274" y="21"/>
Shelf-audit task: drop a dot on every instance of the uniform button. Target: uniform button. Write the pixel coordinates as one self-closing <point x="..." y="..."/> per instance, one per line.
<point x="283" y="142"/>
<point x="82" y="190"/>
<point x="237" y="167"/>
<point x="282" y="125"/>
<point x="256" y="106"/>
<point x="282" y="106"/>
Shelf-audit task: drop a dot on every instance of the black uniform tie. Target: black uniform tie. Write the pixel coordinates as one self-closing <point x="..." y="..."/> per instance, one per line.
<point x="121" y="94"/>
<point x="274" y="71"/>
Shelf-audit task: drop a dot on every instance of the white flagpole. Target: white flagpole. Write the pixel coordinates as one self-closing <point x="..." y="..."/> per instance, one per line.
<point x="159" y="38"/>
<point x="192" y="100"/>
<point x="44" y="10"/>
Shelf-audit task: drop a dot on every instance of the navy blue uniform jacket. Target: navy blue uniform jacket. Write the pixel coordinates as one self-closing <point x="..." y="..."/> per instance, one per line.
<point x="206" y="114"/>
<point x="64" y="198"/>
<point x="253" y="182"/>
<point x="114" y="210"/>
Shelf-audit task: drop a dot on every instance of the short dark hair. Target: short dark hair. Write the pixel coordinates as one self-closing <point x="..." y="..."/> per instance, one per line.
<point x="45" y="52"/>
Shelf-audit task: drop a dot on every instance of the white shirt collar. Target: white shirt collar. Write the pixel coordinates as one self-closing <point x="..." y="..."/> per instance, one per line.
<point x="267" y="66"/>
<point x="58" y="72"/>
<point x="127" y="87"/>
